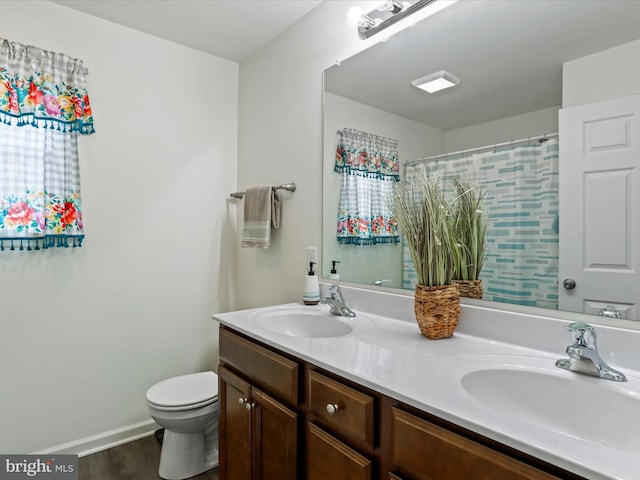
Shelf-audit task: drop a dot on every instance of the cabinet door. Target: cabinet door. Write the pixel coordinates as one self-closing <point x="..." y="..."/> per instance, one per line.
<point x="275" y="439"/>
<point x="235" y="427"/>
<point x="328" y="458"/>
<point x="424" y="451"/>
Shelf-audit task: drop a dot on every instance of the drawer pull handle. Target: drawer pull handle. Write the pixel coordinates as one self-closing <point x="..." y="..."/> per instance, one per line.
<point x="332" y="408"/>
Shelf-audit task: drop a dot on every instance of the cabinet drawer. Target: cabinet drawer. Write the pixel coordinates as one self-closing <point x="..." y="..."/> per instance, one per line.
<point x="329" y="458"/>
<point x="352" y="411"/>
<point x="272" y="372"/>
<point x="423" y="450"/>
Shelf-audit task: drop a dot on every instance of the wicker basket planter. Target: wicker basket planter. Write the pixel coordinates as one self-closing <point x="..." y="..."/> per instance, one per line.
<point x="470" y="288"/>
<point x="437" y="310"/>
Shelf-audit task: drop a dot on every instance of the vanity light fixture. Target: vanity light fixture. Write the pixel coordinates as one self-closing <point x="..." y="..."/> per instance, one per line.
<point x="357" y="18"/>
<point x="393" y="6"/>
<point x="435" y="82"/>
<point x="389" y="13"/>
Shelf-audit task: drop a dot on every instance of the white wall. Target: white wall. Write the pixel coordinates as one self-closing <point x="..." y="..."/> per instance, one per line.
<point x="280" y="129"/>
<point x="366" y="264"/>
<point x="518" y="127"/>
<point x="85" y="332"/>
<point x="605" y="75"/>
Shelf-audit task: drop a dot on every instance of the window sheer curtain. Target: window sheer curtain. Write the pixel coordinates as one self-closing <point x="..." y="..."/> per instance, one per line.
<point x="370" y="167"/>
<point x="43" y="107"/>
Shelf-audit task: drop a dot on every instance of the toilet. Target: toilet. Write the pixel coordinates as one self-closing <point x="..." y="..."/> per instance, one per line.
<point x="187" y="407"/>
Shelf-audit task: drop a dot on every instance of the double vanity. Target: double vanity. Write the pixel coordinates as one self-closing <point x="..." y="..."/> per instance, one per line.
<point x="308" y="394"/>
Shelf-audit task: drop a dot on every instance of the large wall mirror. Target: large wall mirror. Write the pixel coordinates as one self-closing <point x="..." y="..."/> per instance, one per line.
<point x="561" y="75"/>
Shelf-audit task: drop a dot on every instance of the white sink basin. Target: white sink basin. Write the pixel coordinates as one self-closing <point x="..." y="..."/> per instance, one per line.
<point x="294" y="321"/>
<point x="534" y="391"/>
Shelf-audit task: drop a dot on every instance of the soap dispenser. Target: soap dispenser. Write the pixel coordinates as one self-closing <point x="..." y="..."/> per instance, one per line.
<point x="311" y="290"/>
<point x="334" y="275"/>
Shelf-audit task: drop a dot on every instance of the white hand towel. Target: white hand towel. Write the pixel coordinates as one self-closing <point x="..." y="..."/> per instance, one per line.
<point x="261" y="212"/>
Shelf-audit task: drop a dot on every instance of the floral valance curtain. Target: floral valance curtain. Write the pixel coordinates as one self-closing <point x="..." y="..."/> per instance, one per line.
<point x="370" y="167"/>
<point x="43" y="107"/>
<point x="43" y="89"/>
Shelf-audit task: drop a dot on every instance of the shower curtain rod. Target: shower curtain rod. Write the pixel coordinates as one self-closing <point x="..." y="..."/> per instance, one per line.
<point x="540" y="138"/>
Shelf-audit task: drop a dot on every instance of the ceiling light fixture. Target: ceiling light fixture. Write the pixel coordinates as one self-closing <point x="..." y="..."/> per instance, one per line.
<point x="392" y="6"/>
<point x="389" y="13"/>
<point x="436" y="81"/>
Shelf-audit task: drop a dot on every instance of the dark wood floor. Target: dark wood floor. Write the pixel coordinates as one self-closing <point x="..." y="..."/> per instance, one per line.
<point x="137" y="460"/>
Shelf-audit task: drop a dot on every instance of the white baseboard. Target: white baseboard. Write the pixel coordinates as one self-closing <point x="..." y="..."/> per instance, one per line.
<point x="103" y="441"/>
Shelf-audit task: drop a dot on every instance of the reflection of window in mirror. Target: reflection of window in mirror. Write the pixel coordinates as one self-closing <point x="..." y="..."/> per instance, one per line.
<point x="369" y="167"/>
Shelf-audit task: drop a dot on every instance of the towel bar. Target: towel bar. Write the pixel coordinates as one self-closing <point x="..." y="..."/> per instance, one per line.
<point x="290" y="187"/>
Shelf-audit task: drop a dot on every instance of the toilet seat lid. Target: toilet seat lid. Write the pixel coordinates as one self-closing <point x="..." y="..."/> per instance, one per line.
<point x="184" y="390"/>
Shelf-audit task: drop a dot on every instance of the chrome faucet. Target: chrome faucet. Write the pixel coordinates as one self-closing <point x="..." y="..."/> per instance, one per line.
<point x="336" y="302"/>
<point x="584" y="357"/>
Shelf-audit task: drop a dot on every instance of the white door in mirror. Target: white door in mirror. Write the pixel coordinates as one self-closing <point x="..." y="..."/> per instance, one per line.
<point x="600" y="207"/>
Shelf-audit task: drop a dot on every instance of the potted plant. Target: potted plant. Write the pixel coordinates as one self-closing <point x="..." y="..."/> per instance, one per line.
<point x="426" y="214"/>
<point x="470" y="227"/>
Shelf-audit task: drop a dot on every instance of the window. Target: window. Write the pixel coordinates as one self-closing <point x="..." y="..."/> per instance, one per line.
<point x="43" y="108"/>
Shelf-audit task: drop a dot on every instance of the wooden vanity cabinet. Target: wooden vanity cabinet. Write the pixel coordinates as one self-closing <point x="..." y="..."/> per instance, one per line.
<point x="258" y="430"/>
<point x="258" y="435"/>
<point x="340" y="420"/>
<point x="423" y="450"/>
<point x="342" y="409"/>
<point x="235" y="427"/>
<point x="329" y="458"/>
<point x="284" y="419"/>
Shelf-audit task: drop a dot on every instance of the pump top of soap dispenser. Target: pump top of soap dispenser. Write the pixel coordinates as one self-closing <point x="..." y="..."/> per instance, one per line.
<point x="334" y="275"/>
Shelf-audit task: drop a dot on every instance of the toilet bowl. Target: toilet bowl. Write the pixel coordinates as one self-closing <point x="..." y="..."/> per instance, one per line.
<point x="187" y="407"/>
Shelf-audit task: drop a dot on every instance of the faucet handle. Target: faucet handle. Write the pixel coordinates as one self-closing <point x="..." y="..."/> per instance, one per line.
<point x="336" y="293"/>
<point x="582" y="334"/>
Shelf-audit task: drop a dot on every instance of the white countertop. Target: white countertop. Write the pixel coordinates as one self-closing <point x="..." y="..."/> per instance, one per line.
<point x="390" y="356"/>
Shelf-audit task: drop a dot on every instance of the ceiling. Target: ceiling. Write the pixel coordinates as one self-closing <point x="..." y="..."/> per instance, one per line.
<point x="232" y="29"/>
<point x="508" y="55"/>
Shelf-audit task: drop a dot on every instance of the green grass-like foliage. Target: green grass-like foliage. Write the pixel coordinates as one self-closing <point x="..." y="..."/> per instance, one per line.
<point x="470" y="229"/>
<point x="444" y="228"/>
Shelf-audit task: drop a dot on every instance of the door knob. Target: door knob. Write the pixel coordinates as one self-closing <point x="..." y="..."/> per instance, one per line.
<point x="569" y="283"/>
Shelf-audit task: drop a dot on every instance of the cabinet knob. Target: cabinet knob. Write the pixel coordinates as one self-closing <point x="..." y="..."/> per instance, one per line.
<point x="249" y="406"/>
<point x="332" y="408"/>
<point x="242" y="401"/>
